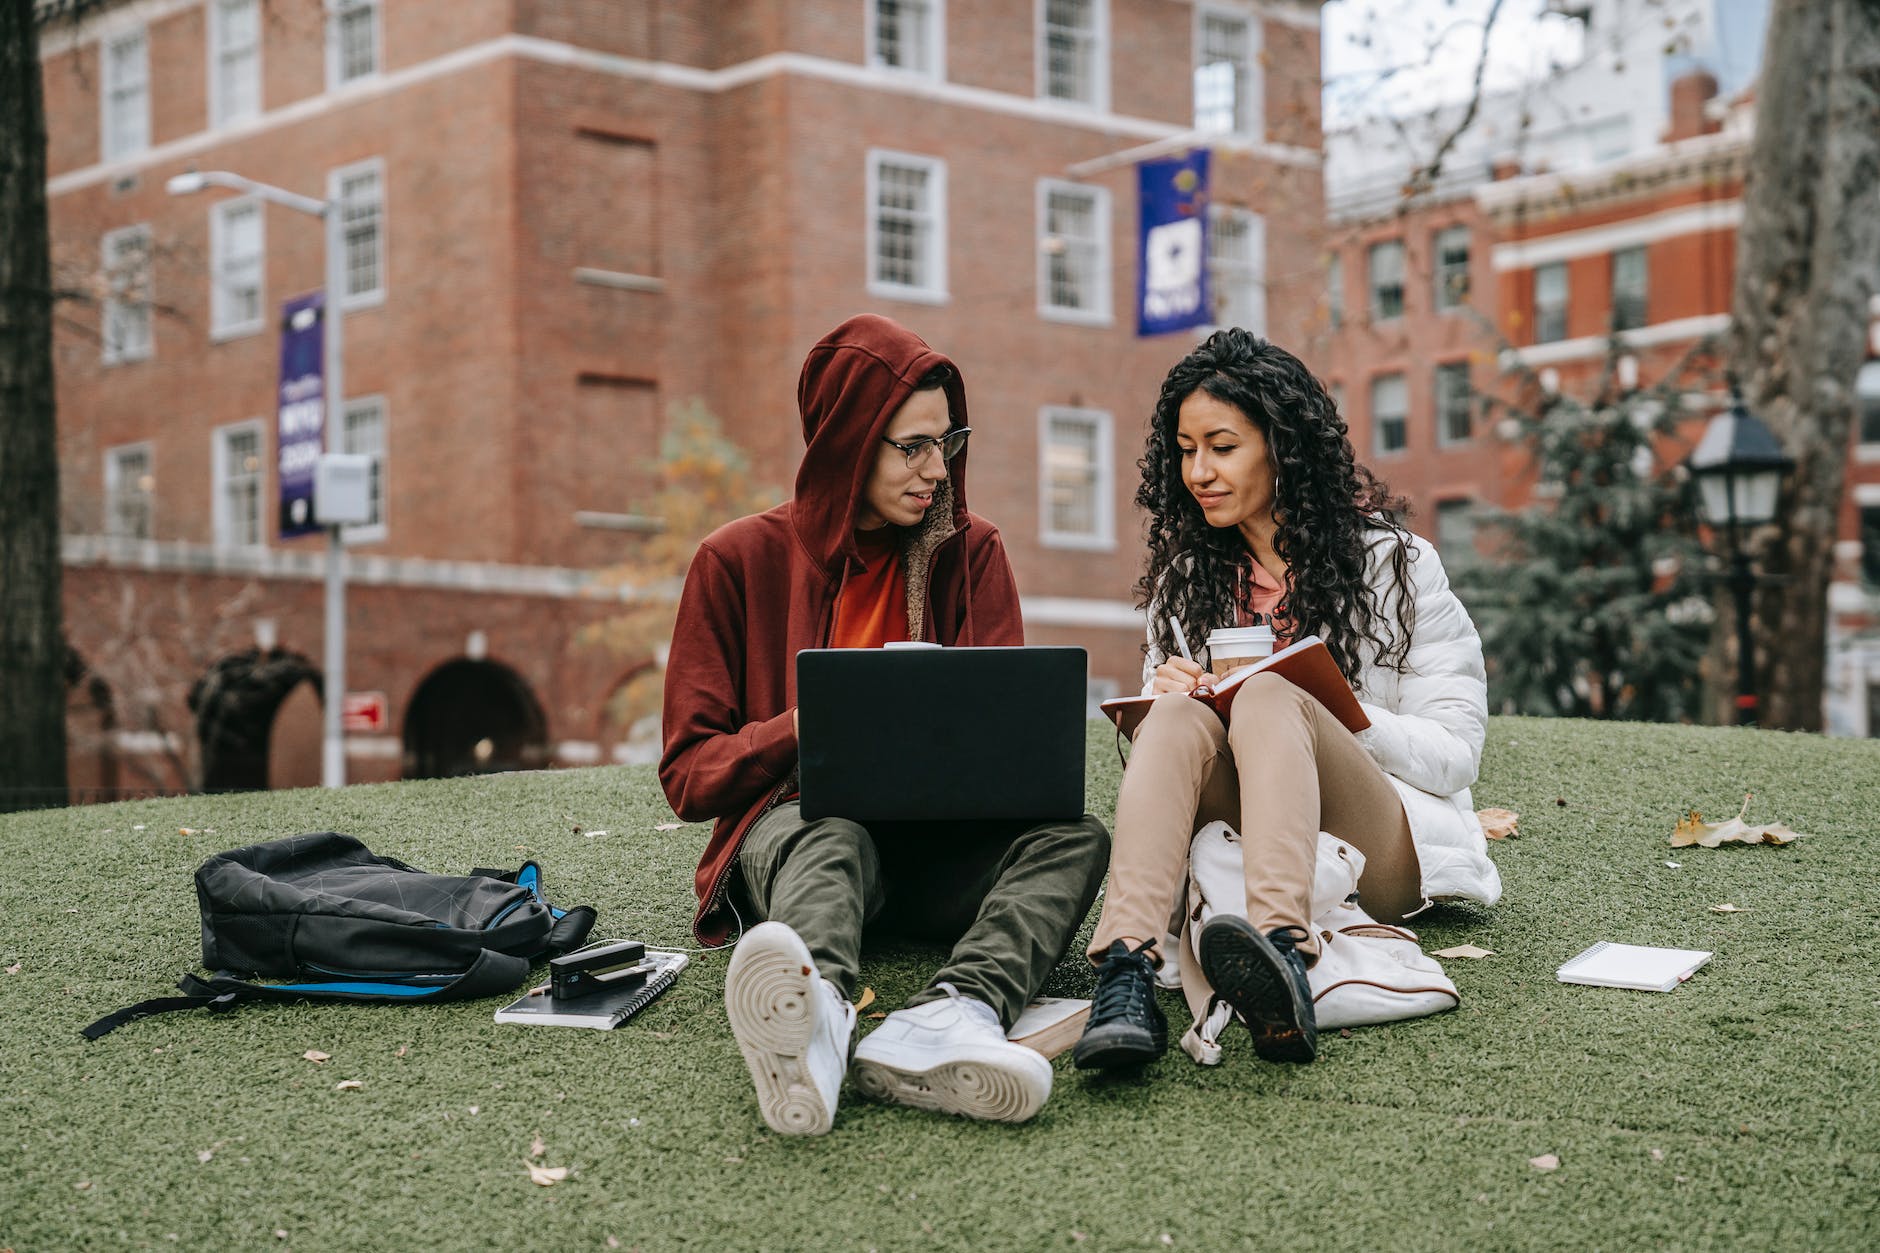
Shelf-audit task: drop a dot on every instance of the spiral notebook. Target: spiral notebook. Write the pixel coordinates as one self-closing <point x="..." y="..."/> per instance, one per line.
<point x="603" y="1010"/>
<point x="1609" y="965"/>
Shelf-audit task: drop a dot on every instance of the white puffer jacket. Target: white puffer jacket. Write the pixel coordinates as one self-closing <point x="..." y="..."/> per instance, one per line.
<point x="1427" y="723"/>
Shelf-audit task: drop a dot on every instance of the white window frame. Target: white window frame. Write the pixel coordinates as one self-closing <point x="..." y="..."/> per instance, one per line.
<point x="1250" y="89"/>
<point x="1446" y="300"/>
<point x="1251" y="273"/>
<point x="335" y="180"/>
<point x="1099" y="100"/>
<point x="1102" y="426"/>
<point x="114" y="350"/>
<point x="1565" y="304"/>
<point x="1869" y="376"/>
<point x="369" y="532"/>
<point x="109" y="81"/>
<point x="222" y="473"/>
<point x="1443" y="438"/>
<point x="1374" y="303"/>
<point x="334" y="9"/>
<point x="1644" y="292"/>
<point x="1377" y="421"/>
<point x="219" y="108"/>
<point x="1457" y="554"/>
<point x="222" y="324"/>
<point x="113" y="488"/>
<point x="1102" y="310"/>
<point x="934" y="33"/>
<point x="934" y="290"/>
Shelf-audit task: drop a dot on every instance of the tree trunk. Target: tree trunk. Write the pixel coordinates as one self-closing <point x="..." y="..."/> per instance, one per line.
<point x="32" y="648"/>
<point x="1807" y="256"/>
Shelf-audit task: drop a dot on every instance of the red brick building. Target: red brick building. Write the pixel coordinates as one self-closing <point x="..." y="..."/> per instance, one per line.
<point x="562" y="221"/>
<point x="1464" y="294"/>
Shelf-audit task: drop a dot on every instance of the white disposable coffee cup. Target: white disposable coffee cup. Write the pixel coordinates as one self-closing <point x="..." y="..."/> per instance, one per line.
<point x="1229" y="648"/>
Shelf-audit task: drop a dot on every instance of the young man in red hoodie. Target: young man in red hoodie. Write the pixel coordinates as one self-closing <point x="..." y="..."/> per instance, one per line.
<point x="876" y="546"/>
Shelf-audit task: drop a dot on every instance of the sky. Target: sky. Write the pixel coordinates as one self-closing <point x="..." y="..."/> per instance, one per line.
<point x="1405" y="56"/>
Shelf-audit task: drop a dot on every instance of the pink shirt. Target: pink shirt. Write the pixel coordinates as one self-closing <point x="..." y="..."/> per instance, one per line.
<point x="1263" y="596"/>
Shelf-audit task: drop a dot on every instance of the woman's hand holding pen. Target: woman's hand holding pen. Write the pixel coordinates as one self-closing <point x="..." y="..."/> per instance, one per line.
<point x="1178" y="674"/>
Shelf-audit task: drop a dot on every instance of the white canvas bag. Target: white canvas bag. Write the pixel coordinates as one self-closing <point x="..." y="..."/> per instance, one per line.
<point x="1367" y="972"/>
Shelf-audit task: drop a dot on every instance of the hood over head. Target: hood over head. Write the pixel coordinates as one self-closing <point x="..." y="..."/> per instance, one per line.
<point x="854" y="380"/>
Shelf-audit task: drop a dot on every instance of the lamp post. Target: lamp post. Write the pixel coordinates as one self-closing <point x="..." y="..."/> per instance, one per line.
<point x="332" y="749"/>
<point x="1739" y="467"/>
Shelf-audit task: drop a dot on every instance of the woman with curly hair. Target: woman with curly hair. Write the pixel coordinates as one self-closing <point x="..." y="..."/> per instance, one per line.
<point x="1257" y="506"/>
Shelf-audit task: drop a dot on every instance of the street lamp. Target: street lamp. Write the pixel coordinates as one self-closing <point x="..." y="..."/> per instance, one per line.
<point x="333" y="752"/>
<point x="1739" y="467"/>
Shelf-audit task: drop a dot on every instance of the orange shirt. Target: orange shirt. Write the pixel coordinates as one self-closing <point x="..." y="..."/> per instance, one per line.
<point x="872" y="609"/>
<point x="1263" y="595"/>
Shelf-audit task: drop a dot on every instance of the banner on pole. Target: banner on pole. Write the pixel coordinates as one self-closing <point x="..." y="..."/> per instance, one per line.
<point x="300" y="426"/>
<point x="1172" y="270"/>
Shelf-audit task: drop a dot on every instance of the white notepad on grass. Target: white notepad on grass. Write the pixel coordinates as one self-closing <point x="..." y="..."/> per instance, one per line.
<point x="1609" y="965"/>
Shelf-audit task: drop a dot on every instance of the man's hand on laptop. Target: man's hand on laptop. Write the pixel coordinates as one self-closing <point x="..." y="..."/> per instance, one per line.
<point x="1178" y="674"/>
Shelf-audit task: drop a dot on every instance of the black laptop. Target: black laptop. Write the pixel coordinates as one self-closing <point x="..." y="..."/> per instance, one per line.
<point x="941" y="734"/>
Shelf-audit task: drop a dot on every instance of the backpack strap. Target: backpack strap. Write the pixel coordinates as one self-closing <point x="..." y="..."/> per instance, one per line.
<point x="491" y="974"/>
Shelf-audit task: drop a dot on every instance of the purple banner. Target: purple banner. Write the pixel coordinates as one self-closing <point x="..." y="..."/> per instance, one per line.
<point x="301" y="414"/>
<point x="1172" y="277"/>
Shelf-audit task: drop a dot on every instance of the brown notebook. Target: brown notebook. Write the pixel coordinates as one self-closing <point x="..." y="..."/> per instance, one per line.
<point x="1306" y="664"/>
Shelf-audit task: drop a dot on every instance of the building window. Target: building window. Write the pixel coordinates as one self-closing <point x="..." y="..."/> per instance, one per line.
<point x="352" y="41"/>
<point x="1455" y="531"/>
<point x="363" y="434"/>
<point x="908" y="35"/>
<point x="1071" y="51"/>
<point x="1870" y="545"/>
<point x="1453" y="401"/>
<point x="126" y="84"/>
<point x="130" y="488"/>
<point x="1073" y="252"/>
<point x="234" y="61"/>
<point x="1077" y="472"/>
<point x="1335" y="289"/>
<point x="1451" y="247"/>
<point x="126" y="323"/>
<point x="1390" y="413"/>
<point x="1628" y="289"/>
<point x="1227" y="73"/>
<point x="360" y="190"/>
<point x="1867" y="400"/>
<point x="239" y="477"/>
<point x="1386" y="280"/>
<point x="1550" y="303"/>
<point x="907" y="226"/>
<point x="1237" y="268"/>
<point x="237" y="251"/>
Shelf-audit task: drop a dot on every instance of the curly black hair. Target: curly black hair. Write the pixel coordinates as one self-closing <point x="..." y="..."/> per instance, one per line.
<point x="1326" y="509"/>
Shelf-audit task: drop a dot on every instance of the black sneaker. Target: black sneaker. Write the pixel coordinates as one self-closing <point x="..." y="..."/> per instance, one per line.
<point x="1264" y="978"/>
<point x="1126" y="1027"/>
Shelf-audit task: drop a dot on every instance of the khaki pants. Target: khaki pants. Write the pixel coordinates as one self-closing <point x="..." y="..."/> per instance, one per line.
<point x="1281" y="773"/>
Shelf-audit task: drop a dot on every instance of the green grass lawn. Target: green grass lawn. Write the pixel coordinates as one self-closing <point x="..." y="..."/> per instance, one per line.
<point x="1741" y="1111"/>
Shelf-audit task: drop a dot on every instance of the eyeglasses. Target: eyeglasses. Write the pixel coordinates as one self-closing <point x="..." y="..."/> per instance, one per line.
<point x="950" y="445"/>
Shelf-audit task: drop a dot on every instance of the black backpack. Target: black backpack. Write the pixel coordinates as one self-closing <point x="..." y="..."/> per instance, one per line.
<point x="350" y="925"/>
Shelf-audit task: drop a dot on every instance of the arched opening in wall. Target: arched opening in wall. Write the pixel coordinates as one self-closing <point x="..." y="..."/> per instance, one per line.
<point x="91" y="749"/>
<point x="235" y="704"/>
<point x="629" y="721"/>
<point x="473" y="717"/>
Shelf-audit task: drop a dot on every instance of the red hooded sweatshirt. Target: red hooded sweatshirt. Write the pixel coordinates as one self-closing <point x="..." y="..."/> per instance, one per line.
<point x="764" y="587"/>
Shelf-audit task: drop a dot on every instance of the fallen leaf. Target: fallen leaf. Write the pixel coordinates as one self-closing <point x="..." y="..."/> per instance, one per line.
<point x="1079" y="1236"/>
<point x="546" y="1176"/>
<point x="186" y="831"/>
<point x="668" y="826"/>
<point x="1167" y="1239"/>
<point x="877" y="1015"/>
<point x="138" y="827"/>
<point x="1674" y="865"/>
<point x="204" y="1155"/>
<point x="1464" y="950"/>
<point x="613" y="1242"/>
<point x="592" y="834"/>
<point x="14" y="968"/>
<point x="1727" y="908"/>
<point x="347" y="1085"/>
<point x="82" y="1184"/>
<point x="1498" y="824"/>
<point x="315" y="1055"/>
<point x="280" y="1233"/>
<point x="402" y="1050"/>
<point x="1693" y="830"/>
<point x="868" y="998"/>
<point x="537" y="1148"/>
<point x="474" y="1108"/>
<point x="1560" y="801"/>
<point x="1546" y="1161"/>
<point x="1658" y="1155"/>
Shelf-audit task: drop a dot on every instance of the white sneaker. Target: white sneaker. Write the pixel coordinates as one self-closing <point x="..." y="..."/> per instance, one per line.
<point x="952" y="1056"/>
<point x="793" y="1026"/>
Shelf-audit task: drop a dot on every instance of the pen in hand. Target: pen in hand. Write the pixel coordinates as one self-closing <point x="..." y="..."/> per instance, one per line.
<point x="1181" y="640"/>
